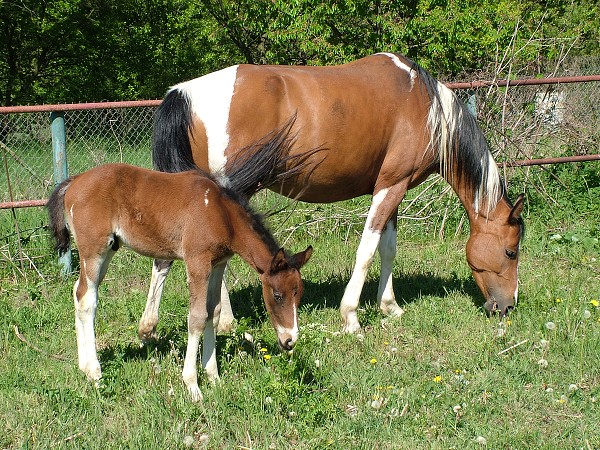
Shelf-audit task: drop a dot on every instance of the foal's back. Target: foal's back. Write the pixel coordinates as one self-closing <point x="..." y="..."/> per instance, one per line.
<point x="153" y="213"/>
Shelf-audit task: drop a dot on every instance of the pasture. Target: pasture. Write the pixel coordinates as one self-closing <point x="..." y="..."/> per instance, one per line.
<point x="442" y="376"/>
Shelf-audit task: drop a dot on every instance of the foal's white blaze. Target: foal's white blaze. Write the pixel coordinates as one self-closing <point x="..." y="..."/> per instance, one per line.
<point x="293" y="332"/>
<point x="412" y="73"/>
<point x="210" y="98"/>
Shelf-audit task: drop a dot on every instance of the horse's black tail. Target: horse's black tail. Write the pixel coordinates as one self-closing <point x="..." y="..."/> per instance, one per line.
<point x="267" y="161"/>
<point x="171" y="148"/>
<point x="56" y="213"/>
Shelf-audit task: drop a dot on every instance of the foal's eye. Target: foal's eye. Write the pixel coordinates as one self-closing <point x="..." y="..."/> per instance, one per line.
<point x="510" y="254"/>
<point x="278" y="297"/>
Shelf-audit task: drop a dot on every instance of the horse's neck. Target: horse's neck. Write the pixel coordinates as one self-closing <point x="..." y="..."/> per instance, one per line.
<point x="479" y="203"/>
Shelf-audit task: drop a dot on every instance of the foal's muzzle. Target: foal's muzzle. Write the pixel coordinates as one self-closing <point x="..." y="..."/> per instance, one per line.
<point x="493" y="307"/>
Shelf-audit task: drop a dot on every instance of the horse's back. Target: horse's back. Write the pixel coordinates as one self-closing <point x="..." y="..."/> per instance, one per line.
<point x="356" y="112"/>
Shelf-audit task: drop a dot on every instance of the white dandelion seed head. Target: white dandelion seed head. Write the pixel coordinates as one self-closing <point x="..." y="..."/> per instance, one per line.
<point x="317" y="363"/>
<point x="587" y="314"/>
<point x="456" y="409"/>
<point x="550" y="326"/>
<point x="481" y="440"/>
<point x="376" y="404"/>
<point x="543" y="363"/>
<point x="188" y="441"/>
<point x="544" y="343"/>
<point x="572" y="387"/>
<point x="268" y="400"/>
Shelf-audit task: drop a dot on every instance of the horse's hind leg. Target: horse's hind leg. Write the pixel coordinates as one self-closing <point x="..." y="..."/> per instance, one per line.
<point x="85" y="296"/>
<point x="387" y="251"/>
<point x="149" y="319"/>
<point x="227" y="320"/>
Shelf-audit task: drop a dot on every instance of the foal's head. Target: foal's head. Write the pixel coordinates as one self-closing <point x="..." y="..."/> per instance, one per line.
<point x="282" y="291"/>
<point x="493" y="255"/>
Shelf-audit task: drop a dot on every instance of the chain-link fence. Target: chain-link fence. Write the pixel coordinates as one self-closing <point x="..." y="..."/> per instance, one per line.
<point x="521" y="122"/>
<point x="93" y="137"/>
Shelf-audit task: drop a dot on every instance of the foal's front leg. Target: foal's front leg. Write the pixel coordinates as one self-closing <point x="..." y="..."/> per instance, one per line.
<point x="198" y="279"/>
<point x="149" y="319"/>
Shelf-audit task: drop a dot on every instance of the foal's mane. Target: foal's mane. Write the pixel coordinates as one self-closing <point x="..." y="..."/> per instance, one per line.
<point x="256" y="219"/>
<point x="462" y="150"/>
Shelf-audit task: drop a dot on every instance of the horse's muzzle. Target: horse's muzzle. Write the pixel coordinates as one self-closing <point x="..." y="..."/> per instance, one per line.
<point x="287" y="345"/>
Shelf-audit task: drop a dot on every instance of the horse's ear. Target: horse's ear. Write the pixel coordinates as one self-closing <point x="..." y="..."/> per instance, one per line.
<point x="515" y="213"/>
<point x="299" y="259"/>
<point x="279" y="262"/>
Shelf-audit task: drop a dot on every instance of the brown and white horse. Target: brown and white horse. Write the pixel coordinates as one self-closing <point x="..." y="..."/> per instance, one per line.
<point x="184" y="216"/>
<point x="385" y="125"/>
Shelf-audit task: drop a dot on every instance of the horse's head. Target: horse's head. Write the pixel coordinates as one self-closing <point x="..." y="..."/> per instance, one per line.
<point x="493" y="255"/>
<point x="282" y="291"/>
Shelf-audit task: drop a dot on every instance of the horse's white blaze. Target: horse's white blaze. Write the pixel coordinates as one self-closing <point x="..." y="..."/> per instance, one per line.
<point x="210" y="98"/>
<point x="411" y="72"/>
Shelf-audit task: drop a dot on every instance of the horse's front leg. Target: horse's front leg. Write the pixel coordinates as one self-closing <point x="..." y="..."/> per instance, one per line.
<point x="227" y="321"/>
<point x="149" y="319"/>
<point x="215" y="299"/>
<point x="387" y="251"/>
<point x="385" y="203"/>
<point x="198" y="279"/>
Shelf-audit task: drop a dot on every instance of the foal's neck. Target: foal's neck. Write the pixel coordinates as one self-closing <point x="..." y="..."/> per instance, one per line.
<point x="251" y="239"/>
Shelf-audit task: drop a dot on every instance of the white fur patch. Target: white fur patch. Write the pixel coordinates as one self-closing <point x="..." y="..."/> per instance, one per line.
<point x="292" y="332"/>
<point x="206" y="197"/>
<point x="210" y="98"/>
<point x="411" y="72"/>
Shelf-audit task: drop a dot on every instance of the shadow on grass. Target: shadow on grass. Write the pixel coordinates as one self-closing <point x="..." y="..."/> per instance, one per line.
<point x="247" y="303"/>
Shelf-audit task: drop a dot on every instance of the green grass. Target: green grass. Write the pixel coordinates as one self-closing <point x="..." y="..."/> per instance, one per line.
<point x="443" y="376"/>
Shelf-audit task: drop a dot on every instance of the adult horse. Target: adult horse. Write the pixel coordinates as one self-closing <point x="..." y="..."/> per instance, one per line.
<point x="385" y="125"/>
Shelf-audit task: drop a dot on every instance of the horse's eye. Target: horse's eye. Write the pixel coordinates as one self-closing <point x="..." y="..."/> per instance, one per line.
<point x="510" y="254"/>
<point x="278" y="297"/>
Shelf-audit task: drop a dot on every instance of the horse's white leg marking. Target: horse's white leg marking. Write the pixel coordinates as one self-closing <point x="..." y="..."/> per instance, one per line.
<point x="387" y="251"/>
<point x="411" y="72"/>
<point x="209" y="346"/>
<point x="149" y="319"/>
<point x="226" y="321"/>
<point x="85" y="310"/>
<point x="210" y="98"/>
<point x="364" y="257"/>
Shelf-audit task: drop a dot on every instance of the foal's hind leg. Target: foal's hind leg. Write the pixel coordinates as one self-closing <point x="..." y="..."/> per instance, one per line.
<point x="149" y="319"/>
<point x="85" y="295"/>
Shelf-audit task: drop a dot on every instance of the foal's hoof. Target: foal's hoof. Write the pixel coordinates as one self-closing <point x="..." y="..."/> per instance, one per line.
<point x="351" y="327"/>
<point x="393" y="311"/>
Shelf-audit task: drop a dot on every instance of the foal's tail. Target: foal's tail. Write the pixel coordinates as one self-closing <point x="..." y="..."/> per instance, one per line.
<point x="56" y="212"/>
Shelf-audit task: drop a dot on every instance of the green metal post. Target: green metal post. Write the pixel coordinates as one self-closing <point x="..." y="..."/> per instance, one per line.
<point x="59" y="161"/>
<point x="472" y="102"/>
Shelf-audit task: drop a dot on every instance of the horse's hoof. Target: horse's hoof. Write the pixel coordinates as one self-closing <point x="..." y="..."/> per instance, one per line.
<point x="226" y="328"/>
<point x="393" y="311"/>
<point x="195" y="393"/>
<point x="351" y="327"/>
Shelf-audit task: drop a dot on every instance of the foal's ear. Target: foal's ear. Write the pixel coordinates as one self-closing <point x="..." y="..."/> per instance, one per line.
<point x="515" y="213"/>
<point x="299" y="259"/>
<point x="279" y="262"/>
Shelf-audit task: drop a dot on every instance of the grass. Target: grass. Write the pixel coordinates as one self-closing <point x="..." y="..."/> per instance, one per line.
<point x="442" y="376"/>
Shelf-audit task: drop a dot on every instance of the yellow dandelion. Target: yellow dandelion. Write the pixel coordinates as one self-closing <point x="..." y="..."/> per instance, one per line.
<point x="437" y="379"/>
<point x="373" y="361"/>
<point x="387" y="343"/>
<point x="263" y="350"/>
<point x="595" y="303"/>
<point x="558" y="300"/>
<point x="457" y="371"/>
<point x="267" y="357"/>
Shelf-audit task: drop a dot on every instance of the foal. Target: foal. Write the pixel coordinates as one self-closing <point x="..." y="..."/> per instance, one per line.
<point x="185" y="216"/>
